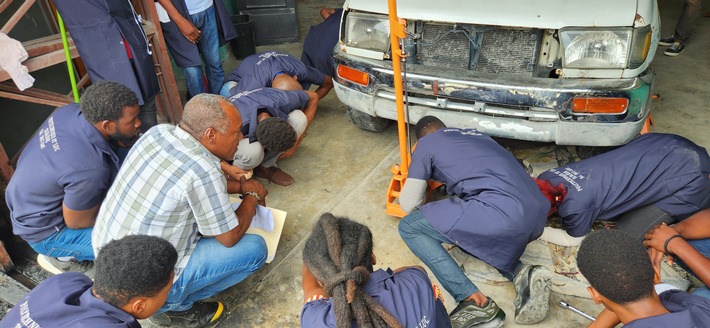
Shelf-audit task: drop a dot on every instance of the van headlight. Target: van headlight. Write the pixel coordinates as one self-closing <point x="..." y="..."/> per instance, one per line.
<point x="595" y="48"/>
<point x="367" y="31"/>
<point x="622" y="47"/>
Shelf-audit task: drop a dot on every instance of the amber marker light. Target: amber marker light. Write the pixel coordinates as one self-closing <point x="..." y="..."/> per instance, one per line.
<point x="599" y="105"/>
<point x="353" y="75"/>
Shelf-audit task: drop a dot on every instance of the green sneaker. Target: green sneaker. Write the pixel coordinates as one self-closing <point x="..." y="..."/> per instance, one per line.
<point x="532" y="302"/>
<point x="468" y="314"/>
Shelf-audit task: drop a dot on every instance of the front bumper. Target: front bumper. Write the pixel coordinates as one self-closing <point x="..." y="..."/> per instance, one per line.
<point x="535" y="109"/>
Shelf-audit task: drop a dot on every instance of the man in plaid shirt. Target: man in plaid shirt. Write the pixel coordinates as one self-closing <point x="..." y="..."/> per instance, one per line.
<point x="171" y="186"/>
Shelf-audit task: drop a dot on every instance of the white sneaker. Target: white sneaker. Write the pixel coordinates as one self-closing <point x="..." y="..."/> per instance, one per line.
<point x="55" y="266"/>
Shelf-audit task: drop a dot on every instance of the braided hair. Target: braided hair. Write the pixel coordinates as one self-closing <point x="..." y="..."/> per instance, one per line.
<point x="339" y="254"/>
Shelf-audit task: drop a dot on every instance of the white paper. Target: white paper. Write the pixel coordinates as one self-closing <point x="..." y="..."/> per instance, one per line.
<point x="163" y="16"/>
<point x="263" y="219"/>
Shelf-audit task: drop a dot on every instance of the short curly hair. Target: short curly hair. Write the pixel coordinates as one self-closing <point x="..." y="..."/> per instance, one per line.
<point x="426" y="125"/>
<point x="617" y="265"/>
<point x="133" y="266"/>
<point x="105" y="101"/>
<point x="275" y="134"/>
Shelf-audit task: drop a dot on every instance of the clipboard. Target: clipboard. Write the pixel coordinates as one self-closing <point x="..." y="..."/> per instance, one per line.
<point x="272" y="238"/>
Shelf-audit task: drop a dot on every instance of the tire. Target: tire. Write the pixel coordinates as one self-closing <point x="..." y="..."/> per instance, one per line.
<point x="367" y="122"/>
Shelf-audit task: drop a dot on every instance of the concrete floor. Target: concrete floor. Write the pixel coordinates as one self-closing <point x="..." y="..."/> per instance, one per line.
<point x="344" y="170"/>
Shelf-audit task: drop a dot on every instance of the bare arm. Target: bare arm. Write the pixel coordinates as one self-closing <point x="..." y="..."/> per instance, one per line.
<point x="696" y="226"/>
<point x="80" y="219"/>
<point x="324" y="88"/>
<point x="185" y="26"/>
<point x="310" y="284"/>
<point x="310" y="112"/>
<point x="311" y="106"/>
<point x="678" y="247"/>
<point x="245" y="212"/>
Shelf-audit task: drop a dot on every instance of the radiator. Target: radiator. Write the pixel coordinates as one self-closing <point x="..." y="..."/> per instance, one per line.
<point x="490" y="49"/>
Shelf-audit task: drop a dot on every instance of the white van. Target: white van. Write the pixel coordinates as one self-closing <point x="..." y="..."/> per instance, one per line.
<point x="569" y="72"/>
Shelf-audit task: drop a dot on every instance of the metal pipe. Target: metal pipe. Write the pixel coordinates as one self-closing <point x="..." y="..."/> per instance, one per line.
<point x="576" y="310"/>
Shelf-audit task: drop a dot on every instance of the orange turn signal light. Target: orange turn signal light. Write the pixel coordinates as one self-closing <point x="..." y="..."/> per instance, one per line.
<point x="599" y="105"/>
<point x="353" y="75"/>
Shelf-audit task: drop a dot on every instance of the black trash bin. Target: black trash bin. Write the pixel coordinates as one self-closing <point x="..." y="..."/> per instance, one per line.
<point x="243" y="45"/>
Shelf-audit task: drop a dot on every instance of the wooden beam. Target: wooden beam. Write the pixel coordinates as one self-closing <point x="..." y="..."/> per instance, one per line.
<point x="169" y="99"/>
<point x="6" y="169"/>
<point x="41" y="101"/>
<point x="42" y="61"/>
<point x="34" y="92"/>
<point x="17" y="16"/>
<point x="6" y="264"/>
<point x="4" y="4"/>
<point x="46" y="45"/>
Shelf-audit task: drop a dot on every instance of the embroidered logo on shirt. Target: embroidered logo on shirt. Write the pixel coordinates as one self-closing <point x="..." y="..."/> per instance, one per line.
<point x="49" y="134"/>
<point x="570" y="176"/>
<point x="242" y="94"/>
<point x="263" y="57"/>
<point x="25" y="317"/>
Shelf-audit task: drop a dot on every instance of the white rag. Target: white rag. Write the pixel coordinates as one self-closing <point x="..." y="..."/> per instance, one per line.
<point x="11" y="56"/>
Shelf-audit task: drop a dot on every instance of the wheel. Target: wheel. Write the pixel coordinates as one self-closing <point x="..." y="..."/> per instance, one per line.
<point x="367" y="122"/>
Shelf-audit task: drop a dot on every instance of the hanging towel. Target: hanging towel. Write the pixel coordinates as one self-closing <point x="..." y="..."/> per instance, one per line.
<point x="11" y="56"/>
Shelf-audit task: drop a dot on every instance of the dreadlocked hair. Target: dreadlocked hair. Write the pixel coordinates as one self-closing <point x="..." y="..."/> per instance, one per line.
<point x="339" y="254"/>
<point x="555" y="195"/>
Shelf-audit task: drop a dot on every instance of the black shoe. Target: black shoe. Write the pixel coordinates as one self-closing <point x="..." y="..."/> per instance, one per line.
<point x="675" y="49"/>
<point x="202" y="314"/>
<point x="667" y="41"/>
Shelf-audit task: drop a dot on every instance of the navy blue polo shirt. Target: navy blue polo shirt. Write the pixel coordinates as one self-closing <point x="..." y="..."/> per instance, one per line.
<point x="65" y="300"/>
<point x="319" y="43"/>
<point x="686" y="311"/>
<point x="407" y="295"/>
<point x="279" y="103"/>
<point x="258" y="70"/>
<point x="67" y="160"/>
<point x="662" y="169"/>
<point x="498" y="208"/>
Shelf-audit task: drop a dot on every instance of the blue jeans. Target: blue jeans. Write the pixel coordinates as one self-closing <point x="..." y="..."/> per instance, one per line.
<point x="703" y="292"/>
<point x="224" y="92"/>
<point x="213" y="268"/>
<point x="67" y="242"/>
<point x="425" y="243"/>
<point x="703" y="246"/>
<point x="209" y="50"/>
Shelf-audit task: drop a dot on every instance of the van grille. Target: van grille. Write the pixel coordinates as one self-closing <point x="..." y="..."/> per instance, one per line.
<point x="488" y="49"/>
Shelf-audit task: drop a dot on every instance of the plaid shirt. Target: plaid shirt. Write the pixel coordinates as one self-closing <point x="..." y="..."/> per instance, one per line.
<point x="169" y="186"/>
